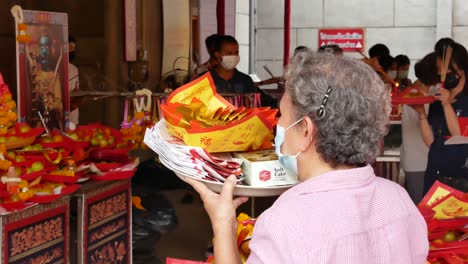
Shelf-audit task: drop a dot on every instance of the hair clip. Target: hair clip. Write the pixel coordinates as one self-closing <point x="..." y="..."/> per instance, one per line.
<point x="321" y="110"/>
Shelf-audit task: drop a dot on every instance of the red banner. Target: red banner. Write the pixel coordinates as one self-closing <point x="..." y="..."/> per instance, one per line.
<point x="348" y="39"/>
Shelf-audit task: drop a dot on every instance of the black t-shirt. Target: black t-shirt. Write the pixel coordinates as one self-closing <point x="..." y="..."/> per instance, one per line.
<point x="240" y="83"/>
<point x="445" y="160"/>
<point x="436" y="115"/>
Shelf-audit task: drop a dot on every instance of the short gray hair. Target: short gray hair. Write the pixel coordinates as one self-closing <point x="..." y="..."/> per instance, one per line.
<point x="356" y="113"/>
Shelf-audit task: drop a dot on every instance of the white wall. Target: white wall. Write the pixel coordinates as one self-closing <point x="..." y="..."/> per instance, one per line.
<point x="460" y="21"/>
<point x="237" y="24"/>
<point x="407" y="27"/>
<point x="242" y="33"/>
<point x="208" y="23"/>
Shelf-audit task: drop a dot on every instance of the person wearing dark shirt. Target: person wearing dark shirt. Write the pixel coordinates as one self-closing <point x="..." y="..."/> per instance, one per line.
<point x="403" y="65"/>
<point x="225" y="75"/>
<point x="447" y="163"/>
<point x="389" y="67"/>
<point x="375" y="53"/>
<point x="239" y="83"/>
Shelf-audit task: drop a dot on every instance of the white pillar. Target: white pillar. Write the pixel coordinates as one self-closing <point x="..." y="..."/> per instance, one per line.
<point x="444" y="19"/>
<point x="242" y="33"/>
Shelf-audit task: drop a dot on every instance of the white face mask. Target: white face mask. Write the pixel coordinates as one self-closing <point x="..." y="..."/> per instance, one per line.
<point x="230" y="62"/>
<point x="402" y="75"/>
<point x="392" y="74"/>
<point x="288" y="161"/>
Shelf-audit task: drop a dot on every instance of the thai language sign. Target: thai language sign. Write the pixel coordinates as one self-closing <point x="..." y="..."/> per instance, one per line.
<point x="348" y="39"/>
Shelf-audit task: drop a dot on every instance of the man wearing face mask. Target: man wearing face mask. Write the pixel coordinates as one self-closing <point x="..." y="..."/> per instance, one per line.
<point x="225" y="75"/>
<point x="390" y="67"/>
<point x="403" y="65"/>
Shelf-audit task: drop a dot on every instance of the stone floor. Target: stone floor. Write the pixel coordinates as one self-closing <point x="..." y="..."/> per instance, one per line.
<point x="193" y="235"/>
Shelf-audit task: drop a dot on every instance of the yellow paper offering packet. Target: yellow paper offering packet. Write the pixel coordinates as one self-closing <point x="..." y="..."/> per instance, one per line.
<point x="199" y="116"/>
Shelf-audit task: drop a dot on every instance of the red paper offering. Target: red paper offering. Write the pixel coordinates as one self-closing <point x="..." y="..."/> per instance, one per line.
<point x="33" y="175"/>
<point x="463" y="122"/>
<point x="107" y="166"/>
<point x="446" y="213"/>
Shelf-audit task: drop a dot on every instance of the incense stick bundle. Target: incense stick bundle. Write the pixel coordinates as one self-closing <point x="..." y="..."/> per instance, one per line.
<point x="447" y="55"/>
<point x="362" y="54"/>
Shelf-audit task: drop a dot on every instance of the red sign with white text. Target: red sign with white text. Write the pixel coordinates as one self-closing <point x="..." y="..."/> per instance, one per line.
<point x="348" y="39"/>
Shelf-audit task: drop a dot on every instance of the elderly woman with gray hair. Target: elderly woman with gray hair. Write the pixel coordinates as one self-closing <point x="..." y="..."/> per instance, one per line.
<point x="334" y="114"/>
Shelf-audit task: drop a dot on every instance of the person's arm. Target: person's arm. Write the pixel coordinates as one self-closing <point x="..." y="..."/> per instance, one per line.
<point x="452" y="120"/>
<point x="225" y="247"/>
<point x="450" y="116"/>
<point x="221" y="209"/>
<point x="426" y="129"/>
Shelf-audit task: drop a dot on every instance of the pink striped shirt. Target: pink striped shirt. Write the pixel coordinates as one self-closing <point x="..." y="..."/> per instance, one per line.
<point x="347" y="216"/>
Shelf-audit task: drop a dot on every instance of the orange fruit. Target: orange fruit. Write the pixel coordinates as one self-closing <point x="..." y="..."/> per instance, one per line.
<point x="10" y="104"/>
<point x="3" y="121"/>
<point x="23" y="184"/>
<point x="12" y="116"/>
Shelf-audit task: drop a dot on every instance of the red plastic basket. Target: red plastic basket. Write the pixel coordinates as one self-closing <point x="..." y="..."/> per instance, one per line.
<point x="413" y="100"/>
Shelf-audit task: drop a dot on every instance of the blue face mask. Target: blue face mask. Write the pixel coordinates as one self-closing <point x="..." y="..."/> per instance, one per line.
<point x="288" y="161"/>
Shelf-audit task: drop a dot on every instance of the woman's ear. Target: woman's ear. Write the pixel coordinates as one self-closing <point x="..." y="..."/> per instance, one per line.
<point x="218" y="56"/>
<point x="308" y="133"/>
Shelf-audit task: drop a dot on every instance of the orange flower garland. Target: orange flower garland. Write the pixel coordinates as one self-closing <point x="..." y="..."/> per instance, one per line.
<point x="8" y="115"/>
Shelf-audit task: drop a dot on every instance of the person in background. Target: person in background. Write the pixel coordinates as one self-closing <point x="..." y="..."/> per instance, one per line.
<point x="225" y="75"/>
<point x="446" y="163"/>
<point x="333" y="47"/>
<point x="389" y="66"/>
<point x="375" y="52"/>
<point x="413" y="159"/>
<point x="299" y="49"/>
<point x="334" y="113"/>
<point x="210" y="43"/>
<point x="379" y="50"/>
<point x="73" y="81"/>
<point x="403" y="65"/>
<point x="430" y="73"/>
